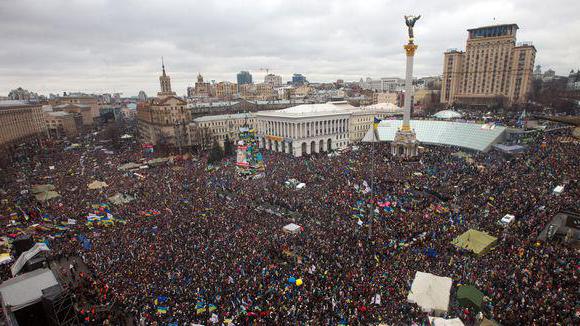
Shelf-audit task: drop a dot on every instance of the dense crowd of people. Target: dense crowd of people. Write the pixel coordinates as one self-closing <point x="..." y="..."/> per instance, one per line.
<point x="205" y="245"/>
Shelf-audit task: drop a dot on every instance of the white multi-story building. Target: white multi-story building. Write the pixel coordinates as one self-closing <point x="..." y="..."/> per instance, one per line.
<point x="362" y="118"/>
<point x="315" y="128"/>
<point x="219" y="127"/>
<point x="273" y="80"/>
<point x="391" y="84"/>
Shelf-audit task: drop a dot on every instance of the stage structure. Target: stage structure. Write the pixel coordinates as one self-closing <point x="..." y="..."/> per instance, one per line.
<point x="405" y="142"/>
<point x="249" y="160"/>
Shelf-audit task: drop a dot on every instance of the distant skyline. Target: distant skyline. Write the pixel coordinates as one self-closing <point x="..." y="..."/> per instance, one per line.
<point x="106" y="46"/>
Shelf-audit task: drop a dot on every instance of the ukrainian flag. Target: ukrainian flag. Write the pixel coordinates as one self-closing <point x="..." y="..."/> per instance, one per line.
<point x="201" y="307"/>
<point x="162" y="310"/>
<point x="376" y="122"/>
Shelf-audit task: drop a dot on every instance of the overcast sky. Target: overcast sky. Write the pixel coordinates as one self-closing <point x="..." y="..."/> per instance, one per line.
<point x="116" y="45"/>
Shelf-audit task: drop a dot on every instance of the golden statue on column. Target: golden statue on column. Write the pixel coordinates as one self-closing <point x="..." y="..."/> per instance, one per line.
<point x="405" y="142"/>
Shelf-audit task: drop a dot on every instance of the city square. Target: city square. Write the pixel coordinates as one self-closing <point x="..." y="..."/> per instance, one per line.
<point x="440" y="200"/>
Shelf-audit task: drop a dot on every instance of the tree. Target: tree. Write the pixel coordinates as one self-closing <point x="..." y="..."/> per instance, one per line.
<point x="216" y="154"/>
<point x="229" y="147"/>
<point x="113" y="133"/>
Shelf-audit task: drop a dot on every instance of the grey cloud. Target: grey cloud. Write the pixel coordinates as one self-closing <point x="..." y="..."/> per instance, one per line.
<point x="108" y="45"/>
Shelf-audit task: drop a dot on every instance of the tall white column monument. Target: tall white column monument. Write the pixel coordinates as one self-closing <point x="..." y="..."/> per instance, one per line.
<point x="405" y="142"/>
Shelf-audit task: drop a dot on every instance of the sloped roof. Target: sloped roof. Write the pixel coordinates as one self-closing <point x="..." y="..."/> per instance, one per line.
<point x="97" y="185"/>
<point x="13" y="103"/>
<point x="165" y="99"/>
<point x="469" y="296"/>
<point x="475" y="241"/>
<point x="71" y="105"/>
<point x="58" y="114"/>
<point x="383" y="106"/>
<point x="430" y="292"/>
<point x="462" y="134"/>
<point x="26" y="289"/>
<point x="221" y="117"/>
<point x="318" y="108"/>
<point x="306" y="110"/>
<point x="292" y="228"/>
<point x="26" y="256"/>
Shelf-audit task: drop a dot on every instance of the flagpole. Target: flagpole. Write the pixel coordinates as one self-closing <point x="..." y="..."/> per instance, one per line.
<point x="372" y="212"/>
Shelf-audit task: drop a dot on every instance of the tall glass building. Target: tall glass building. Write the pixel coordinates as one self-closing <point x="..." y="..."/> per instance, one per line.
<point x="298" y="79"/>
<point x="244" y="77"/>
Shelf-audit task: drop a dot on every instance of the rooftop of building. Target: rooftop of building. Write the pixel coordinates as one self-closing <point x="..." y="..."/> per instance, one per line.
<point x="479" y="137"/>
<point x="6" y="104"/>
<point x="221" y="117"/>
<point x="328" y="108"/>
<point x="77" y="96"/>
<point x="57" y="113"/>
<point x="212" y="104"/>
<point x="164" y="99"/>
<point x="489" y="26"/>
<point x="390" y="107"/>
<point x="338" y="106"/>
<point x="278" y="102"/>
<point x="67" y="105"/>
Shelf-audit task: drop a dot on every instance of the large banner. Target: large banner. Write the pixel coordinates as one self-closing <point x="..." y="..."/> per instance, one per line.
<point x="242" y="156"/>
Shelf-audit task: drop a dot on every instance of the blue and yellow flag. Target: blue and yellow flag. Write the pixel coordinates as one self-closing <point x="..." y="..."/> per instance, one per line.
<point x="201" y="307"/>
<point x="376" y="122"/>
<point x="162" y="310"/>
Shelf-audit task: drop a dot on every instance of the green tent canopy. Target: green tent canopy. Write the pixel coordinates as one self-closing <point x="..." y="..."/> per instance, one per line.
<point x="470" y="297"/>
<point x="476" y="241"/>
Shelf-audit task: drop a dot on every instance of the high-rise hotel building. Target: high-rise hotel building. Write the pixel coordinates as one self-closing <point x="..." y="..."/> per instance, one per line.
<point x="492" y="70"/>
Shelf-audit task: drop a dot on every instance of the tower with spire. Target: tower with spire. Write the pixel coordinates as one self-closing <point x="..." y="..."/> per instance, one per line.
<point x="165" y="83"/>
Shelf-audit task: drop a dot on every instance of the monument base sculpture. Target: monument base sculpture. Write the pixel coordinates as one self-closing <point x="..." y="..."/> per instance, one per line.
<point x="405" y="143"/>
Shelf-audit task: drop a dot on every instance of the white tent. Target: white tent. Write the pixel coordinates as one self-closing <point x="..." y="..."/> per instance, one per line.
<point x="97" y="185"/>
<point x="129" y="167"/>
<point x="507" y="219"/>
<point x="120" y="199"/>
<point x="430" y="292"/>
<point x="36" y="189"/>
<point x="45" y="196"/>
<point x="558" y="190"/>
<point x="438" y="321"/>
<point x="292" y="228"/>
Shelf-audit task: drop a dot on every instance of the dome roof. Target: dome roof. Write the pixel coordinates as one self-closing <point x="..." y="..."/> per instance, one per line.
<point x="447" y="114"/>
